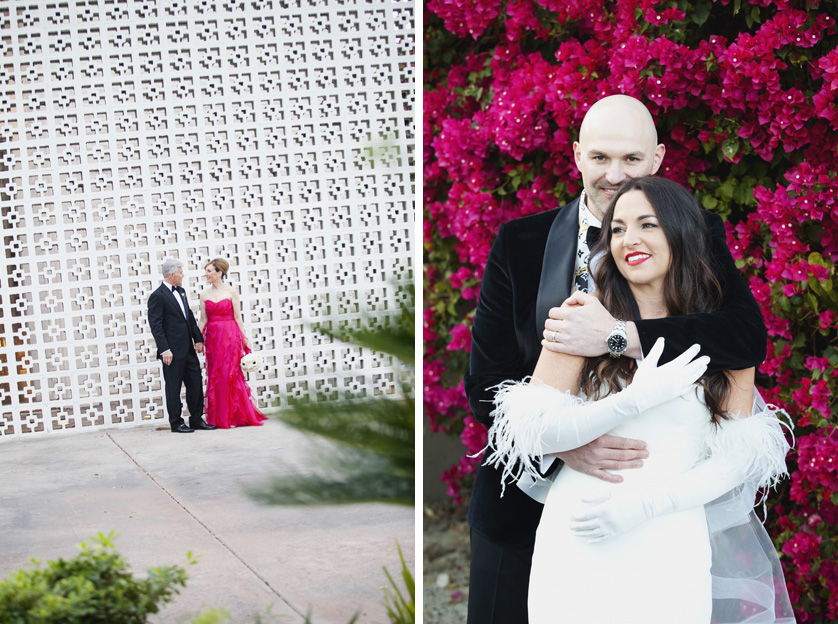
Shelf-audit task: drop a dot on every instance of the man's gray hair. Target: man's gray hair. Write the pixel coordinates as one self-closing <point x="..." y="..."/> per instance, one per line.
<point x="171" y="265"/>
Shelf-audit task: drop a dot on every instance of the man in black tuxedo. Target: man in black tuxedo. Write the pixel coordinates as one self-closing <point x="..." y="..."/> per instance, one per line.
<point x="178" y="342"/>
<point x="536" y="262"/>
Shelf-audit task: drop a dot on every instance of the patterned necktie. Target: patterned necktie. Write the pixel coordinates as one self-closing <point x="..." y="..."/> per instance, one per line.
<point x="583" y="252"/>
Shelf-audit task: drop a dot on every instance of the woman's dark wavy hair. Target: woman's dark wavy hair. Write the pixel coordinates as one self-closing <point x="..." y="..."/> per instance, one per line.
<point x="690" y="286"/>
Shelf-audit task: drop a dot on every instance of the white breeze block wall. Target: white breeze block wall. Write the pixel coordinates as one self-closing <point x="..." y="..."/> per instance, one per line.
<point x="276" y="134"/>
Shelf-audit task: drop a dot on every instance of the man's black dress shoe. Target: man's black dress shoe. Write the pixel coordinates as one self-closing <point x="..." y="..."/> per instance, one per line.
<point x="203" y="426"/>
<point x="182" y="428"/>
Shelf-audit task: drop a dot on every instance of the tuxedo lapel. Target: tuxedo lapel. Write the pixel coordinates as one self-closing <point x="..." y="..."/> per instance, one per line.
<point x="559" y="263"/>
<point x="169" y="296"/>
<point x="185" y="311"/>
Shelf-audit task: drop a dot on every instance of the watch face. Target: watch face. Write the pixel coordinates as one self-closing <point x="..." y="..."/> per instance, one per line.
<point x="617" y="343"/>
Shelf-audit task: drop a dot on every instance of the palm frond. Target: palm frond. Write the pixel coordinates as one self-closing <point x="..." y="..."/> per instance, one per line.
<point x="397" y="341"/>
<point x="344" y="476"/>
<point x="374" y="437"/>
<point x="392" y="335"/>
<point x="382" y="425"/>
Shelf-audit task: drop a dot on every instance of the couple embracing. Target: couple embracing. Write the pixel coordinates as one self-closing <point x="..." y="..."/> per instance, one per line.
<point x="219" y="334"/>
<point x="626" y="440"/>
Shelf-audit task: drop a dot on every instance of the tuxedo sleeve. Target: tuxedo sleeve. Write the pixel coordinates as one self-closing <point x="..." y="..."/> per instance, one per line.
<point x="734" y="336"/>
<point x="155" y="320"/>
<point x="197" y="336"/>
<point x="495" y="353"/>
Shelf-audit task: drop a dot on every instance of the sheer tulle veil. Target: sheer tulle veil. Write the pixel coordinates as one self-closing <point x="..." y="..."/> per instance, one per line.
<point x="748" y="582"/>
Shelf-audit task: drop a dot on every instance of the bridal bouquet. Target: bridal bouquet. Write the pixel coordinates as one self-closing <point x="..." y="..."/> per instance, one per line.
<point x="251" y="362"/>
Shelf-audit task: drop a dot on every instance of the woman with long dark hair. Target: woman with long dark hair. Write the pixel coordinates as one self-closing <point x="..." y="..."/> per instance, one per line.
<point x="642" y="550"/>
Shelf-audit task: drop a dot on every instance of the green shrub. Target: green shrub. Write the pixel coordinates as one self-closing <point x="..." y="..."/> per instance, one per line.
<point x="94" y="586"/>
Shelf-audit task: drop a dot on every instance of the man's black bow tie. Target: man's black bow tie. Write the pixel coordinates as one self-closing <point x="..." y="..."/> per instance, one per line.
<point x="592" y="236"/>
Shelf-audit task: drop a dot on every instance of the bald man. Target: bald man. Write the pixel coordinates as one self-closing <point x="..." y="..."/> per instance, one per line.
<point x="536" y="291"/>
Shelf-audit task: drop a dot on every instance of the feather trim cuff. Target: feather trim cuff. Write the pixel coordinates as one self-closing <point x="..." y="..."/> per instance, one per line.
<point x="756" y="447"/>
<point x="522" y="413"/>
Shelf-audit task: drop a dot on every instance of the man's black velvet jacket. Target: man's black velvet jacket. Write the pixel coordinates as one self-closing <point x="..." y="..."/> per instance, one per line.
<point x="530" y="270"/>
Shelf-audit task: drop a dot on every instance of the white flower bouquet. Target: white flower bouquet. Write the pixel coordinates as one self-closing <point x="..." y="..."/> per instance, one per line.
<point x="251" y="362"/>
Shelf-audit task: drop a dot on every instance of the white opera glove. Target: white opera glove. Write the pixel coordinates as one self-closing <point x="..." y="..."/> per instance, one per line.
<point x="744" y="450"/>
<point x="532" y="419"/>
<point x="653" y="384"/>
<point x="614" y="513"/>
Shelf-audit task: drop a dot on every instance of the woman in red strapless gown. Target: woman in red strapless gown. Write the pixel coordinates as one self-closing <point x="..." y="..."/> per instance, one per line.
<point x="227" y="400"/>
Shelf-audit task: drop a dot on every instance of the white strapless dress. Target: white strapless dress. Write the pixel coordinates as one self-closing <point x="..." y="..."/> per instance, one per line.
<point x="656" y="573"/>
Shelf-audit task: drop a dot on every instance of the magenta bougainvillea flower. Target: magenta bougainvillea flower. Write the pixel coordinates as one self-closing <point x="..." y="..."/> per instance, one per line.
<point x="745" y="98"/>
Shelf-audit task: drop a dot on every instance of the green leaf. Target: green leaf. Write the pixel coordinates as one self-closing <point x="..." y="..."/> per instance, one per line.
<point x="709" y="146"/>
<point x="727" y="188"/>
<point x="744" y="191"/>
<point x="730" y="147"/>
<point x="816" y="258"/>
<point x="709" y="202"/>
<point x="701" y="12"/>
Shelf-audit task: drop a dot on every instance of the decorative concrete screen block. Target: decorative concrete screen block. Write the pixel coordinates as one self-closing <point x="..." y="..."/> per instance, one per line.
<point x="277" y="134"/>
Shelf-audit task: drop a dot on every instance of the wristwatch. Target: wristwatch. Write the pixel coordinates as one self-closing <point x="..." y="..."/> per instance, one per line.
<point x="617" y="341"/>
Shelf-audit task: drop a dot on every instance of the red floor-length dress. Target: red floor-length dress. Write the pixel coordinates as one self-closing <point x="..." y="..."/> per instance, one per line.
<point x="228" y="402"/>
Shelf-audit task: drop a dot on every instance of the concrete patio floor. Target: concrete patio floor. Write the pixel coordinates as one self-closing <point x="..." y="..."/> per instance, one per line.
<point x="167" y="494"/>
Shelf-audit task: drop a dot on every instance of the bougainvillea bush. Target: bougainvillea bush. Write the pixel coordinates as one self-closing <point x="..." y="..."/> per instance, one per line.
<point x="745" y="97"/>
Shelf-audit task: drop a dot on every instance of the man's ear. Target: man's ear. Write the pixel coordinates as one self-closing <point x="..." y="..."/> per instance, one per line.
<point x="577" y="154"/>
<point x="657" y="159"/>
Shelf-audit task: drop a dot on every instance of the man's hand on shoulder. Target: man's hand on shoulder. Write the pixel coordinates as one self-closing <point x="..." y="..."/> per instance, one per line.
<point x="606" y="453"/>
<point x="581" y="326"/>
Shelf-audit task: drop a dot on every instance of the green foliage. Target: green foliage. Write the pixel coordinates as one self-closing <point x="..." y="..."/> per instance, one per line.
<point x="401" y="610"/>
<point x="211" y="616"/>
<point x="376" y="456"/>
<point x="730" y="192"/>
<point x="222" y="616"/>
<point x="352" y="621"/>
<point x="94" y="586"/>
